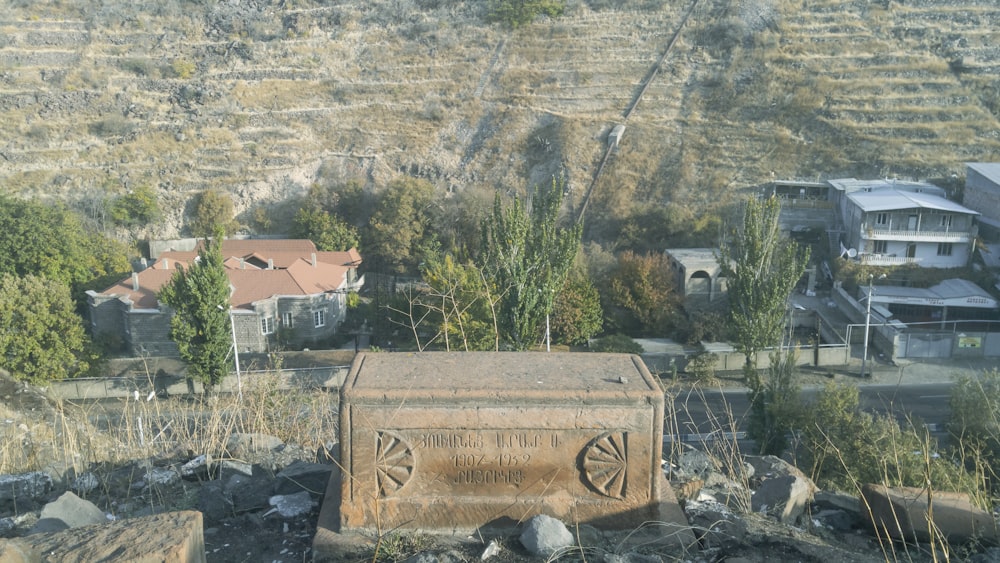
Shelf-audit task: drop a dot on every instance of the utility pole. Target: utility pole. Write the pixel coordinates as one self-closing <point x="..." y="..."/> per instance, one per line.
<point x="868" y="321"/>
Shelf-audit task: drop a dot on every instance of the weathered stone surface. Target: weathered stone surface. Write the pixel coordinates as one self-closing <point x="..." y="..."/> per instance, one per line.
<point x="290" y="506"/>
<point x="18" y="551"/>
<point x="784" y="491"/>
<point x="545" y="536"/>
<point x="244" y="446"/>
<point x="302" y="476"/>
<point x="68" y="511"/>
<point x="22" y="486"/>
<point x="172" y="537"/>
<point x="464" y="440"/>
<point x="901" y="513"/>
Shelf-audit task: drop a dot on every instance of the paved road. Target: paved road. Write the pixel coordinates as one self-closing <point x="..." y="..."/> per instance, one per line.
<point x="701" y="413"/>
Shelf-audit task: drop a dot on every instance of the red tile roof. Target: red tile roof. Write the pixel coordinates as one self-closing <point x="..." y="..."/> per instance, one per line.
<point x="299" y="269"/>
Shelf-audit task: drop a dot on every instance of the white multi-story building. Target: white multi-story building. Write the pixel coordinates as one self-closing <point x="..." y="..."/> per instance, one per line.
<point x="891" y="223"/>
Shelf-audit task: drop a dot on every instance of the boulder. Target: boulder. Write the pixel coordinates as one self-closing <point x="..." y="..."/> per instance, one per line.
<point x="714" y="524"/>
<point x="782" y="490"/>
<point x="17" y="488"/>
<point x="544" y="535"/>
<point x="901" y="514"/>
<point x="291" y="506"/>
<point x="18" y="551"/>
<point x="303" y="476"/>
<point x="68" y="511"/>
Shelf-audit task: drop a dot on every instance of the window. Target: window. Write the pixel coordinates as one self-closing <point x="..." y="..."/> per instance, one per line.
<point x="286" y="320"/>
<point x="319" y="318"/>
<point x="880" y="247"/>
<point x="946" y="221"/>
<point x="944" y="249"/>
<point x="882" y="219"/>
<point x="266" y="325"/>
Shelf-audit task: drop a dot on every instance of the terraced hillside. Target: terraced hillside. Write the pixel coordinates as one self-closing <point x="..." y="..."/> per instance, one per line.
<point x="263" y="98"/>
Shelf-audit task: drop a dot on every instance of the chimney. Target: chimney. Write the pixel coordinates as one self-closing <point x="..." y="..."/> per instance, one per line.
<point x="314" y="259"/>
<point x="243" y="264"/>
<point x="135" y="281"/>
<point x="270" y="263"/>
<point x="166" y="263"/>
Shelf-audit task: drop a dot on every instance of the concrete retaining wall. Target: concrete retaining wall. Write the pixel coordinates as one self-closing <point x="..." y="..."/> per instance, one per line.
<point x="172" y="385"/>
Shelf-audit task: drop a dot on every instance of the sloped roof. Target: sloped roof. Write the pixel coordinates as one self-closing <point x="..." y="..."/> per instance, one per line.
<point x="889" y="199"/>
<point x="851" y="185"/>
<point x="302" y="271"/>
<point x="990" y="170"/>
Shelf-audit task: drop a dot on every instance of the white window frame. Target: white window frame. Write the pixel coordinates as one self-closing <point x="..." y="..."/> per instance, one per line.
<point x="880" y="247"/>
<point x="287" y="320"/>
<point x="882" y="219"/>
<point x="267" y="325"/>
<point x="319" y="318"/>
<point x="944" y="249"/>
<point x="946" y="221"/>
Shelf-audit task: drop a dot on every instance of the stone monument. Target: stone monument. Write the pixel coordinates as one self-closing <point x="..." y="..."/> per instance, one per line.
<point x="452" y="442"/>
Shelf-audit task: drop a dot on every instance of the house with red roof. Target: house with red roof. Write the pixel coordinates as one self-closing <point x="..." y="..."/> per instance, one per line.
<point x="279" y="288"/>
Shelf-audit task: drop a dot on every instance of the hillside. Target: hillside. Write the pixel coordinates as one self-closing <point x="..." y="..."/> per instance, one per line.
<point x="262" y="99"/>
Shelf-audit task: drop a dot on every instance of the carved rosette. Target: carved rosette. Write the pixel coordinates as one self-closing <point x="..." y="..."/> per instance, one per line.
<point x="393" y="463"/>
<point x="604" y="464"/>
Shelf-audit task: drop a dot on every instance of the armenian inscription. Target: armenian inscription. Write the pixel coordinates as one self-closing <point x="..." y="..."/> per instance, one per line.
<point x="459" y="441"/>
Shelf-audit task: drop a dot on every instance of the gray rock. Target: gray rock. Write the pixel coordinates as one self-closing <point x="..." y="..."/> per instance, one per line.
<point x="197" y="469"/>
<point x="85" y="483"/>
<point x="290" y="506"/>
<point x="714" y="524"/>
<point x="783" y="490"/>
<point x="213" y="502"/>
<point x="161" y="477"/>
<point x="244" y="446"/>
<point x="302" y="476"/>
<point x="68" y="511"/>
<point x="32" y="485"/>
<point x="692" y="463"/>
<point x="544" y="536"/>
<point x="248" y="493"/>
<point x="835" y="519"/>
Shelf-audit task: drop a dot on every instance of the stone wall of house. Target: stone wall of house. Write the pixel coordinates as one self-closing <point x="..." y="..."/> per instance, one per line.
<point x="107" y="319"/>
<point x="149" y="333"/>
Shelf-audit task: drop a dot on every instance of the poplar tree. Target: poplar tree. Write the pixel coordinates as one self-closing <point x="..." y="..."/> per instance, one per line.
<point x="761" y="268"/>
<point x="526" y="256"/>
<point x="199" y="297"/>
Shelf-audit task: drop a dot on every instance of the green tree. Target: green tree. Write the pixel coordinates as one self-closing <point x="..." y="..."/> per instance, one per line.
<point x="776" y="406"/>
<point x="576" y="313"/>
<point x="526" y="256"/>
<point x="845" y="447"/>
<point x="136" y="208"/>
<point x="51" y="242"/>
<point x="199" y="297"/>
<point x="516" y="13"/>
<point x="643" y="288"/>
<point x="212" y="209"/>
<point x="761" y="269"/>
<point x="326" y="230"/>
<point x="457" y="306"/>
<point x="975" y="419"/>
<point x="398" y="230"/>
<point x="41" y="337"/>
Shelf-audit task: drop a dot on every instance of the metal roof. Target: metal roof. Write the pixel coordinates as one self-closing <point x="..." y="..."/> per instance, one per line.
<point x="991" y="170"/>
<point x="889" y="199"/>
<point x="850" y="185"/>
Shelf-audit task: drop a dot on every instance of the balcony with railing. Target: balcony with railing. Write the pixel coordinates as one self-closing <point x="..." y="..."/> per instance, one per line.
<point x="886" y="260"/>
<point x="924" y="235"/>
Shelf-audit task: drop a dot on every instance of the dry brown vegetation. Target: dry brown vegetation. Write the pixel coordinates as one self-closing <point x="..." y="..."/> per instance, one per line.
<point x="254" y="97"/>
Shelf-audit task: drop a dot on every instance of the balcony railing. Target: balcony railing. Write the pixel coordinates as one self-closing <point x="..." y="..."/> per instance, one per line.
<point x="886" y="260"/>
<point x="916" y="236"/>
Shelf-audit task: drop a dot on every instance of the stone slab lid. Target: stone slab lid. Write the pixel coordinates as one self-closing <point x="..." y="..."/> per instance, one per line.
<point x="500" y="376"/>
